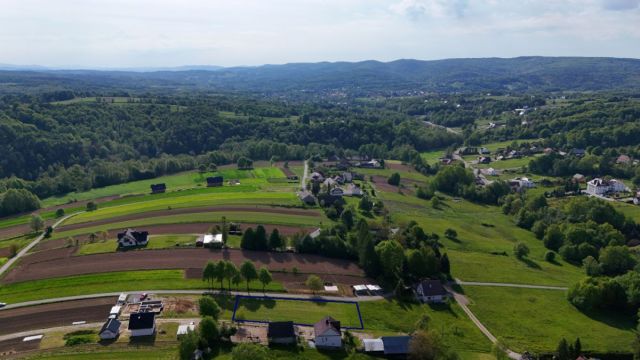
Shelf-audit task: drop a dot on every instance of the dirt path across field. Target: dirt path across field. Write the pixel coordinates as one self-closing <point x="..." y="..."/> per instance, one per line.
<point x="28" y="269"/>
<point x="56" y="314"/>
<point x="173" y="229"/>
<point x="158" y="213"/>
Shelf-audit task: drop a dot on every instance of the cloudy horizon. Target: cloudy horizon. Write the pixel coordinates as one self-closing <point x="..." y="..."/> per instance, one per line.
<point x="164" y="33"/>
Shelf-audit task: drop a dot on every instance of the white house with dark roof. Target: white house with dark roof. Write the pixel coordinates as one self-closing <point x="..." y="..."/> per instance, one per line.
<point x="600" y="186"/>
<point x="142" y="324"/>
<point x="327" y="333"/>
<point x="431" y="291"/>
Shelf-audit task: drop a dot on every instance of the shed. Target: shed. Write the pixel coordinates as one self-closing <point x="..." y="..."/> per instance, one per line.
<point x="110" y="329"/>
<point x="158" y="188"/>
<point x="213" y="241"/>
<point x="115" y="310"/>
<point x="373" y="345"/>
<point x="360" y="290"/>
<point x="396" y="345"/>
<point x="215" y="181"/>
<point x="281" y="332"/>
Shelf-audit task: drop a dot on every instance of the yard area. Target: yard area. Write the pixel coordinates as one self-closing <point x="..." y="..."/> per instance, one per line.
<point x="155" y="242"/>
<point x="298" y="311"/>
<point x="536" y="320"/>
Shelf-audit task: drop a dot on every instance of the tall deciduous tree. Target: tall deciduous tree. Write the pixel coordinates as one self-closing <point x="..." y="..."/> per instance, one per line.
<point x="265" y="277"/>
<point x="248" y="271"/>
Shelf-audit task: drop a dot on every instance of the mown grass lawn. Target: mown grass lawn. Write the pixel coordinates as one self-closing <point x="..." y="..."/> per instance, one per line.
<point x="298" y="311"/>
<point x="110" y="282"/>
<point x="183" y="180"/>
<point x="536" y="320"/>
<point x="155" y="242"/>
<point x="482" y="232"/>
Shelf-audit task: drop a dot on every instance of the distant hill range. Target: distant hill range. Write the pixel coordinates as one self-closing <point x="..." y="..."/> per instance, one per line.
<point x="522" y="74"/>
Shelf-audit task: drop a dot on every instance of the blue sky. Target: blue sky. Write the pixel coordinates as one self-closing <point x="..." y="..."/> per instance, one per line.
<point x="143" y="33"/>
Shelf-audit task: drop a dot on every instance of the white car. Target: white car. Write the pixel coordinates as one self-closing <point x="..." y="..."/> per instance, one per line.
<point x="2" y="304"/>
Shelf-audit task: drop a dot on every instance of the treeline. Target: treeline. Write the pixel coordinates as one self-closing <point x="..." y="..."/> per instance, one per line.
<point x="14" y="201"/>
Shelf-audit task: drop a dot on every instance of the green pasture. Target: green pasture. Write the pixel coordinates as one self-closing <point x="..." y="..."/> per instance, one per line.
<point x="190" y="201"/>
<point x="404" y="174"/>
<point x="389" y="317"/>
<point x="179" y="181"/>
<point x="482" y="230"/>
<point x="298" y="311"/>
<point x="155" y="242"/>
<point x="535" y="320"/>
<point x="109" y="282"/>
<point x="207" y="217"/>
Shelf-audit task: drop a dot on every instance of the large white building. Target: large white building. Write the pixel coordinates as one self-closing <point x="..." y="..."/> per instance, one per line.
<point x="600" y="186"/>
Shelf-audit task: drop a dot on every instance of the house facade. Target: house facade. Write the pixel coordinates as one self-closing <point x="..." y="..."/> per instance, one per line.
<point x="431" y="291"/>
<point x="131" y="238"/>
<point x="142" y="324"/>
<point x="327" y="333"/>
<point x="600" y="186"/>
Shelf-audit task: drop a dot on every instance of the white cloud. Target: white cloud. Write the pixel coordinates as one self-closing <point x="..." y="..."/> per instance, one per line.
<point x="114" y="33"/>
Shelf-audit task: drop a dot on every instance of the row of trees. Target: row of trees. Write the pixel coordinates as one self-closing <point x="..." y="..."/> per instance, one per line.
<point x="258" y="240"/>
<point x="227" y="270"/>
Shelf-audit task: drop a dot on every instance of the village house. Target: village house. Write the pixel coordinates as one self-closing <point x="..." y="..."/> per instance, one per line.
<point x="390" y="346"/>
<point x="578" y="178"/>
<point x="329" y="182"/>
<point x="353" y="190"/>
<point x="371" y="164"/>
<point x="431" y="291"/>
<point x="336" y="192"/>
<point x="347" y="176"/>
<point x="484" y="151"/>
<point x="484" y="160"/>
<point x="215" y="181"/>
<point x="110" y="330"/>
<point x="142" y="324"/>
<point x="307" y="197"/>
<point x="327" y="333"/>
<point x="522" y="183"/>
<point x="210" y="241"/>
<point x="281" y="332"/>
<point x="600" y="186"/>
<point x="623" y="160"/>
<point x="577" y="152"/>
<point x="489" y="172"/>
<point x="316" y="176"/>
<point x="131" y="238"/>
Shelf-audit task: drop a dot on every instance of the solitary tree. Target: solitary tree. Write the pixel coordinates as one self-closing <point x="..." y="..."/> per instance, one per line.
<point x="91" y="206"/>
<point x="219" y="274"/>
<point x="314" y="283"/>
<point x="208" y="307"/>
<point x="36" y="223"/>
<point x="450" y="233"/>
<point x="59" y="213"/>
<point x="265" y="277"/>
<point x="248" y="271"/>
<point x="394" y="179"/>
<point x="520" y="250"/>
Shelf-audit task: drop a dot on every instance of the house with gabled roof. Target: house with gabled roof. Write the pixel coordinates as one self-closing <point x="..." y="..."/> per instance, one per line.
<point x="131" y="238"/>
<point x="431" y="291"/>
<point x="110" y="329"/>
<point x="327" y="333"/>
<point x="142" y="324"/>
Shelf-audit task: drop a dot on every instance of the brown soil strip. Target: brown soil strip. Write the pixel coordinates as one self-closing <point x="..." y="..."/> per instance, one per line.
<point x="54" y="315"/>
<point x="158" y="213"/>
<point x="29" y="269"/>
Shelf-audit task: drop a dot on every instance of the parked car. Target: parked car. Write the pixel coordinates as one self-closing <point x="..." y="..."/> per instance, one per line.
<point x="2" y="304"/>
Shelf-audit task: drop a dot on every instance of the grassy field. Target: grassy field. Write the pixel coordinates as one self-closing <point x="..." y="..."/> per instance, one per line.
<point x="243" y="217"/>
<point x="298" y="311"/>
<point x="507" y="164"/>
<point x="155" y="242"/>
<point x="413" y="175"/>
<point x="482" y="230"/>
<point x="179" y="181"/>
<point x="109" y="282"/>
<point x="535" y="320"/>
<point x="390" y="317"/>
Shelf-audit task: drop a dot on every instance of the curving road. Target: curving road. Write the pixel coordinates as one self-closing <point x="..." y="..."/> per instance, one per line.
<point x="35" y="242"/>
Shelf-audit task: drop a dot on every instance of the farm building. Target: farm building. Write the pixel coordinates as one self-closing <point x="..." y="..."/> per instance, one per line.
<point x="431" y="291"/>
<point x="336" y="192"/>
<point x="158" y="188"/>
<point x="115" y="312"/>
<point x="110" y="329"/>
<point x="281" y="332"/>
<point x="484" y="160"/>
<point x="396" y="345"/>
<point x="360" y="290"/>
<point x="142" y="324"/>
<point x="316" y="176"/>
<point x="371" y="164"/>
<point x="327" y="333"/>
<point x="315" y="233"/>
<point x="600" y="186"/>
<point x="214" y="181"/>
<point x="210" y="240"/>
<point x="522" y="183"/>
<point x="131" y="238"/>
<point x="373" y="345"/>
<point x="307" y="197"/>
<point x="353" y="190"/>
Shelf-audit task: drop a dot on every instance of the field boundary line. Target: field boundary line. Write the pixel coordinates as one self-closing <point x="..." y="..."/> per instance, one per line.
<point x="310" y="299"/>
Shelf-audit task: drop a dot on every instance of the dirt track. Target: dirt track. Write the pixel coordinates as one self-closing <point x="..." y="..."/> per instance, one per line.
<point x="33" y="268"/>
<point x="193" y="228"/>
<point x="53" y="315"/>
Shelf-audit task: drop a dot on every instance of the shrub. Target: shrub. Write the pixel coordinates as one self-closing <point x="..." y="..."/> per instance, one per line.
<point x="550" y="256"/>
<point x="520" y="250"/>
